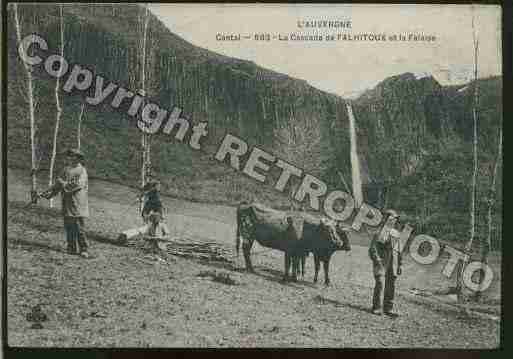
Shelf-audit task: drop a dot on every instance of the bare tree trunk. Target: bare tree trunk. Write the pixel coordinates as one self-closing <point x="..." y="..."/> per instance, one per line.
<point x="487" y="245"/>
<point x="148" y="157"/>
<point x="144" y="136"/>
<point x="32" y="105"/>
<point x="79" y="126"/>
<point x="424" y="214"/>
<point x="468" y="245"/>
<point x="59" y="109"/>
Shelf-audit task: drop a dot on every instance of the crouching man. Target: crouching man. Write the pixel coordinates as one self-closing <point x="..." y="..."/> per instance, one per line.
<point x="155" y="231"/>
<point x="385" y="254"/>
<point x="72" y="185"/>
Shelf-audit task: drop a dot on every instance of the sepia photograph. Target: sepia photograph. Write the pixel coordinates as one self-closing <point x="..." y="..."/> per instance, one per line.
<point x="252" y="175"/>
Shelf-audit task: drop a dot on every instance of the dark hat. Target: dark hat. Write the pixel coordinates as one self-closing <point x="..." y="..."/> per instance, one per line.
<point x="74" y="152"/>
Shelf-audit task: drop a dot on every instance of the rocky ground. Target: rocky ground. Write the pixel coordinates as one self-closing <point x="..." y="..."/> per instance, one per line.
<point x="127" y="297"/>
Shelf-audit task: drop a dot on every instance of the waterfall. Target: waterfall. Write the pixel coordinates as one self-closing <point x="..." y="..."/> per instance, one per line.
<point x="355" y="163"/>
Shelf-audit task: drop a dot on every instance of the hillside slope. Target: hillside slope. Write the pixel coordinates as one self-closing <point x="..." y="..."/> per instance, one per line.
<point x="124" y="298"/>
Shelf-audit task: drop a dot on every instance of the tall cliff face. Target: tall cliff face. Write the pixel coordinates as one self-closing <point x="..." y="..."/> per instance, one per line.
<point x="402" y="113"/>
<point x="416" y="138"/>
<point x="408" y="129"/>
<point x="413" y="117"/>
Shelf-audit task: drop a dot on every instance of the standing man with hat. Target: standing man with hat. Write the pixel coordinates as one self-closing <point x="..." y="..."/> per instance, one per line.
<point x="73" y="187"/>
<point x="385" y="253"/>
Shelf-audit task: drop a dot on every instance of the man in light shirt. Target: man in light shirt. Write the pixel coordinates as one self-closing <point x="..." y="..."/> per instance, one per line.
<point x="72" y="185"/>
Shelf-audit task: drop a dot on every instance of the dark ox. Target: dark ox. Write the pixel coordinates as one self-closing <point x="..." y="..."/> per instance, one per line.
<point x="314" y="231"/>
<point x="294" y="234"/>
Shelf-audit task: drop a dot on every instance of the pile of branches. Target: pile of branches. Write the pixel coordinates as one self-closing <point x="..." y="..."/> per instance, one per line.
<point x="189" y="248"/>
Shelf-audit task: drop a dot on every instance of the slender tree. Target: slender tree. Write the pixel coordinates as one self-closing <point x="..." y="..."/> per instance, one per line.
<point x="32" y="106"/>
<point x="145" y="141"/>
<point x="79" y="125"/>
<point x="58" y="106"/>
<point x="487" y="245"/>
<point x="468" y="244"/>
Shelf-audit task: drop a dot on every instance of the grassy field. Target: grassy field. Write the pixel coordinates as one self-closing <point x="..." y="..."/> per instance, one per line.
<point x="124" y="298"/>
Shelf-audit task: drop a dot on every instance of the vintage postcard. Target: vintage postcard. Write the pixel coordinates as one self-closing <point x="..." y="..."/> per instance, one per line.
<point x="252" y="175"/>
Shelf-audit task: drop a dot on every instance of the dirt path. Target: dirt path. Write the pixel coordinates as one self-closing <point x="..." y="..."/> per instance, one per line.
<point x="123" y="298"/>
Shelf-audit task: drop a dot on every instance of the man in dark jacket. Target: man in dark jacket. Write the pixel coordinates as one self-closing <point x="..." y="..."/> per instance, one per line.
<point x="385" y="253"/>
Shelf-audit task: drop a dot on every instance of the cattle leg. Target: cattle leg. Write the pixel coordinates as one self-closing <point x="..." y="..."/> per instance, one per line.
<point x="317" y="266"/>
<point x="302" y="263"/>
<point x="295" y="266"/>
<point x="287" y="266"/>
<point x="326" y="264"/>
<point x="246" y="249"/>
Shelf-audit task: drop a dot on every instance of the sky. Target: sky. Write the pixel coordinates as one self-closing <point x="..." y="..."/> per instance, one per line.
<point x="347" y="67"/>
